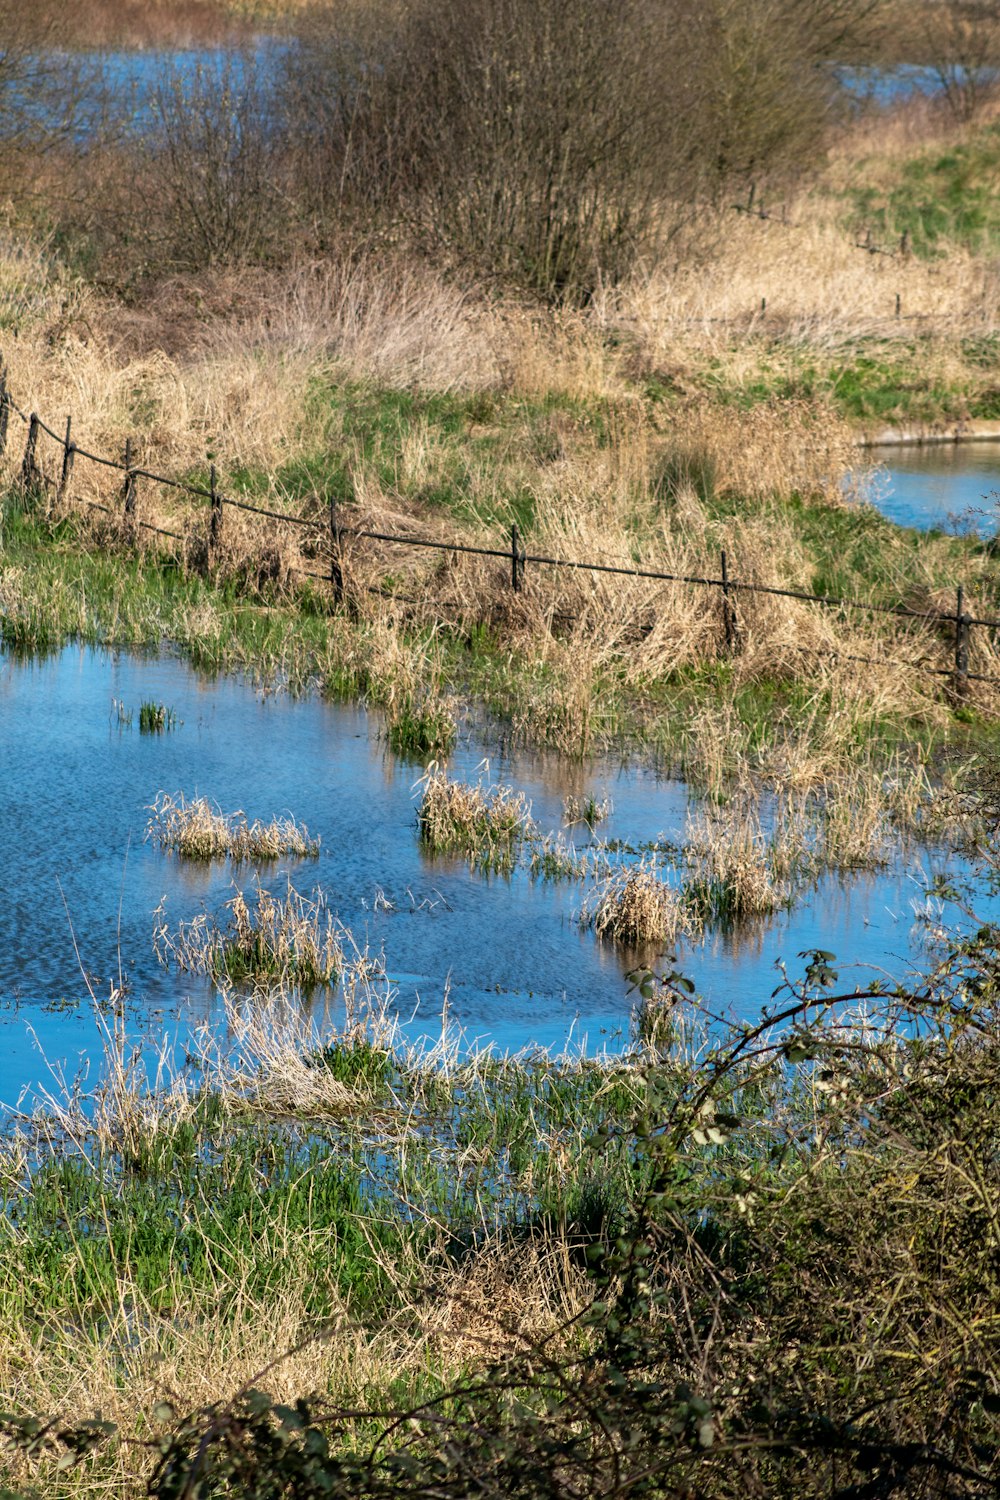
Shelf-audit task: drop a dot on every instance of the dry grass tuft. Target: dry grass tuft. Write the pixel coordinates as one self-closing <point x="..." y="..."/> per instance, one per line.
<point x="485" y="823"/>
<point x="292" y="941"/>
<point x="734" y="875"/>
<point x="635" y="907"/>
<point x="197" y="830"/>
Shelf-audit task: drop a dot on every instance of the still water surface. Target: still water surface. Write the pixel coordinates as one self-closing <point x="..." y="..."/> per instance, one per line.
<point x="82" y="884"/>
<point x="952" y="486"/>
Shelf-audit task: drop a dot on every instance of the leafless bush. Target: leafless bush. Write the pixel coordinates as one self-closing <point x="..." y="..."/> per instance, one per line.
<point x="196" y="185"/>
<point x="540" y="141"/>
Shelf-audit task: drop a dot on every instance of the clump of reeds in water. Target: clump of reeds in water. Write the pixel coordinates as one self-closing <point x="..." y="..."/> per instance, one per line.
<point x="587" y="810"/>
<point x="155" y="718"/>
<point x="421" y="728"/>
<point x="486" y="824"/>
<point x="634" y="906"/>
<point x="734" y="878"/>
<point x="197" y="830"/>
<point x="291" y="940"/>
<point x="552" y="858"/>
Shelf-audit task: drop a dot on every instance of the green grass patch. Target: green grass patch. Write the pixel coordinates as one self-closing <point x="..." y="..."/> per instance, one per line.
<point x="939" y="198"/>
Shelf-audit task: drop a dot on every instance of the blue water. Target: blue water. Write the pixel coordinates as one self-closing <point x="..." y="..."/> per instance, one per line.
<point x="886" y="86"/>
<point x="508" y="953"/>
<point x="948" y="486"/>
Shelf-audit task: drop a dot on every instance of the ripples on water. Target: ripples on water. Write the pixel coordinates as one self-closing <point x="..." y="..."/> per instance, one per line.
<point x="82" y="884"/>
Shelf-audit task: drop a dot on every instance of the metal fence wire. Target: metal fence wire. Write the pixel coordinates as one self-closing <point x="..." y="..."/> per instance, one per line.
<point x="513" y="552"/>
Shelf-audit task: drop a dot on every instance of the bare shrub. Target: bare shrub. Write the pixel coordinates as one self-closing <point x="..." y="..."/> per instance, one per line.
<point x="539" y="140"/>
<point x="196" y="186"/>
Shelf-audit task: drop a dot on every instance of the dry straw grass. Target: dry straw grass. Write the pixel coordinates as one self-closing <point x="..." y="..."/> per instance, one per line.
<point x="638" y="490"/>
<point x="485" y="823"/>
<point x="636" y="907"/>
<point x="291" y="940"/>
<point x="733" y="878"/>
<point x="200" y="830"/>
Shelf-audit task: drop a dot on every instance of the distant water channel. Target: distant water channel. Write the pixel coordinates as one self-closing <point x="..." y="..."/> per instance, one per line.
<point x="517" y="969"/>
<point x="949" y="486"/>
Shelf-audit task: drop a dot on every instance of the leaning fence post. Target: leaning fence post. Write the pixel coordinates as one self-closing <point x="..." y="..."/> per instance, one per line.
<point x="28" y="471"/>
<point x="516" y="559"/>
<point x="4" y="412"/>
<point x="961" y="644"/>
<point x="728" y="613"/>
<point x="69" y="451"/>
<point x="129" y="487"/>
<point x="215" y="516"/>
<point x="336" y="560"/>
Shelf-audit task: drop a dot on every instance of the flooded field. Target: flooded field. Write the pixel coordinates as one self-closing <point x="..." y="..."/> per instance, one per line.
<point x="507" y="952"/>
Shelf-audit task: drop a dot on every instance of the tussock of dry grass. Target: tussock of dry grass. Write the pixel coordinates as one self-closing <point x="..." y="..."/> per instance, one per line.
<point x="291" y="940"/>
<point x="819" y="291"/>
<point x="485" y="823"/>
<point x="635" y="907"/>
<point x="733" y="878"/>
<point x="199" y="830"/>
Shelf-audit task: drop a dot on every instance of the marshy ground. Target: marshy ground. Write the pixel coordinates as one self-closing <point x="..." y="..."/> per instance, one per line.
<point x="727" y="1258"/>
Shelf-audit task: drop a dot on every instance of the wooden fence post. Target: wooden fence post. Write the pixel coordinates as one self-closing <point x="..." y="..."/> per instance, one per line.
<point x="961" y="644"/>
<point x="336" y="560"/>
<point x="28" y="471"/>
<point x="129" y="487"/>
<point x="516" y="559"/>
<point x="4" y="412"/>
<point x="728" y="613"/>
<point x="214" y="517"/>
<point x="67" y="463"/>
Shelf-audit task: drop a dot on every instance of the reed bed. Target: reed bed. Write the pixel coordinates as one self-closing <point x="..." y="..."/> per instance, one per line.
<point x="198" y="829"/>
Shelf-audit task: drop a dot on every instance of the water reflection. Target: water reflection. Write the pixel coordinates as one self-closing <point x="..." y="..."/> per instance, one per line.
<point x="507" y="954"/>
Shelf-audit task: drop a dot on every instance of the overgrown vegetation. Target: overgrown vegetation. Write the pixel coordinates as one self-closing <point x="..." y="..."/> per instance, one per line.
<point x="438" y="1233"/>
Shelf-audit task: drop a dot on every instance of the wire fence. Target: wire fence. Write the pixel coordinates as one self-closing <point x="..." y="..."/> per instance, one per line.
<point x="960" y="623"/>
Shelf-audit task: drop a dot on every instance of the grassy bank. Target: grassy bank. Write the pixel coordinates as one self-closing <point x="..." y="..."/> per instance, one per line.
<point x="724" y="1260"/>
